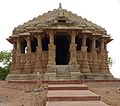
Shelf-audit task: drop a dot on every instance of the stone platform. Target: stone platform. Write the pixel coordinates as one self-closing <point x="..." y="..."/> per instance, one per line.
<point x="59" y="76"/>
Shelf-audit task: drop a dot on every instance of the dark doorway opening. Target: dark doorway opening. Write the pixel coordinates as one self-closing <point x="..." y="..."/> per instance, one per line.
<point x="62" y="43"/>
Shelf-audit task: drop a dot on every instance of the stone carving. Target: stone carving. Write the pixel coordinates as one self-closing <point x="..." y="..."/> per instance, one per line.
<point x="60" y="39"/>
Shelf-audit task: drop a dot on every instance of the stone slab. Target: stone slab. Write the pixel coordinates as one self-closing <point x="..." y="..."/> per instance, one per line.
<point x="71" y="95"/>
<point x="76" y="103"/>
<point x="67" y="87"/>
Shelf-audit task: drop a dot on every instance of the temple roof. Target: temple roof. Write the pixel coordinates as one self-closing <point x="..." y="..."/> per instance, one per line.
<point x="58" y="18"/>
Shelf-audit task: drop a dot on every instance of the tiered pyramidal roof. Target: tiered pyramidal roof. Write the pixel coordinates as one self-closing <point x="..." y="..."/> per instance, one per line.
<point x="58" y="18"/>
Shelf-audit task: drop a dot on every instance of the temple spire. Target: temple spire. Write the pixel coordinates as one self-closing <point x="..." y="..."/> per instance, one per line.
<point x="60" y="6"/>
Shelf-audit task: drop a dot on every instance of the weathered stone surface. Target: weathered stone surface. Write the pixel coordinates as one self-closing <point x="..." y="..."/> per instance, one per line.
<point x="60" y="45"/>
<point x="50" y="19"/>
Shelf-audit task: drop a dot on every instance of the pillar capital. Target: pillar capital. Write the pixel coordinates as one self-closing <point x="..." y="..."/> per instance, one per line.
<point x="84" y="34"/>
<point x="103" y="40"/>
<point x="94" y="38"/>
<point x="28" y="38"/>
<point x="74" y="32"/>
<point x="50" y="32"/>
<point x="51" y="36"/>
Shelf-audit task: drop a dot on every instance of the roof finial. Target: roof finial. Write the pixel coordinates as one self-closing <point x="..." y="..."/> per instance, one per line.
<point x="60" y="6"/>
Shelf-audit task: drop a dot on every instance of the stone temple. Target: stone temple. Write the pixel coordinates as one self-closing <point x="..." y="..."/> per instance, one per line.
<point x="59" y="45"/>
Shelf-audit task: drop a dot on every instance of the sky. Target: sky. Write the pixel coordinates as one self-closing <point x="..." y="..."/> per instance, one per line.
<point x="105" y="13"/>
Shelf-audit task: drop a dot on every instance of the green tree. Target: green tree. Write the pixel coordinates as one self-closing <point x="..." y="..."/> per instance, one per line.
<point x="5" y="62"/>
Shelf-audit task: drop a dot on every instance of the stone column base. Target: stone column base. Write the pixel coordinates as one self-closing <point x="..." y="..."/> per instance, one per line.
<point x="75" y="75"/>
<point x="50" y="76"/>
<point x="75" y="72"/>
<point x="74" y="68"/>
<point x="51" y="72"/>
<point x="51" y="68"/>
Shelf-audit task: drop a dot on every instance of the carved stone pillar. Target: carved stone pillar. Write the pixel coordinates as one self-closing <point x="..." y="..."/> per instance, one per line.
<point x="18" y="45"/>
<point x="93" y="44"/>
<point x="38" y="66"/>
<point x="104" y="68"/>
<point x="85" y="65"/>
<point x="74" y="67"/>
<point x="17" y="63"/>
<point x="102" y="49"/>
<point x="73" y="59"/>
<point x="13" y="65"/>
<point x="95" y="68"/>
<point x="39" y="48"/>
<point x="28" y="45"/>
<point x="27" y="68"/>
<point x="51" y="52"/>
<point x="51" y="74"/>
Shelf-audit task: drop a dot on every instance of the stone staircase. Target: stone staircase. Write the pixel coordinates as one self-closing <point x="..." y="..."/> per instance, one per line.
<point x="62" y="72"/>
<point x="72" y="95"/>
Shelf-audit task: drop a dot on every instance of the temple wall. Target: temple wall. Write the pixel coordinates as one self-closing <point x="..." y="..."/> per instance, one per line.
<point x="20" y="62"/>
<point x="101" y="61"/>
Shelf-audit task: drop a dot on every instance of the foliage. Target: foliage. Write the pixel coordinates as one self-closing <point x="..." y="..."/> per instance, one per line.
<point x="5" y="61"/>
<point x="110" y="62"/>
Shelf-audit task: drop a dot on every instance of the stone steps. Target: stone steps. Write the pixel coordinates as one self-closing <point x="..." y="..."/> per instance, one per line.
<point x="67" y="94"/>
<point x="71" y="95"/>
<point x="62" y="81"/>
<point x="67" y="87"/>
<point x="75" y="103"/>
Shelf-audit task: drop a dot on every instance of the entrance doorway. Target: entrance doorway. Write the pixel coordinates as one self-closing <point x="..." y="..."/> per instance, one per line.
<point x="62" y="42"/>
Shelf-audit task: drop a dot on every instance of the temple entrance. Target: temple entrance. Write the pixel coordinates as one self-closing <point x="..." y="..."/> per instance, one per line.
<point x="62" y="42"/>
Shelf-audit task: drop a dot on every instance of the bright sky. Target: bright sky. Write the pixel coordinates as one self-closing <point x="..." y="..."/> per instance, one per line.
<point x="105" y="13"/>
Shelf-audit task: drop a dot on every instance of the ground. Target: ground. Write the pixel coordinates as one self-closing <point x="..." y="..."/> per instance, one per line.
<point x="109" y="91"/>
<point x="14" y="94"/>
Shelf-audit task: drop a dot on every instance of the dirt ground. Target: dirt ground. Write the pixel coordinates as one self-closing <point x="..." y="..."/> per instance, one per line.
<point x="109" y="91"/>
<point x="14" y="94"/>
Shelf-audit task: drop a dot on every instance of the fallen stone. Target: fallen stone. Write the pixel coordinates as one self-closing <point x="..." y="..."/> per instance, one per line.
<point x="27" y="90"/>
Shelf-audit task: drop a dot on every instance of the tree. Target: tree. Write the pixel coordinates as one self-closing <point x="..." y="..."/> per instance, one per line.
<point x="5" y="62"/>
